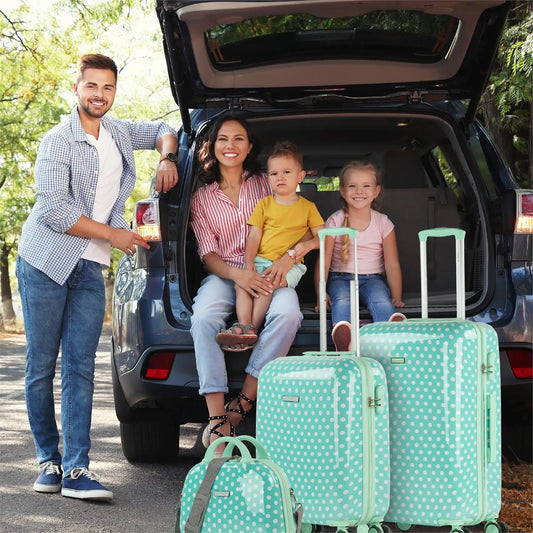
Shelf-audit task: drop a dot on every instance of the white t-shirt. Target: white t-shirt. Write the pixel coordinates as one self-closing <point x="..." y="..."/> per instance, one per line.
<point x="369" y="244"/>
<point x="110" y="171"/>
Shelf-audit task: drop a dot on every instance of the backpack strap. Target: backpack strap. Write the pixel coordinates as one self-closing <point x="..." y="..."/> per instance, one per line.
<point x="201" y="500"/>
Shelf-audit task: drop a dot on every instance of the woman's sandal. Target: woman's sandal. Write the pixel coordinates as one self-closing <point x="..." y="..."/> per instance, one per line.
<point x="239" y="409"/>
<point x="236" y="347"/>
<point x="208" y="431"/>
<point x="237" y="334"/>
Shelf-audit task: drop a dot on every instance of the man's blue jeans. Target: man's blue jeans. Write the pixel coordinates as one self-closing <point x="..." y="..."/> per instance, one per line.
<point x="374" y="293"/>
<point x="71" y="315"/>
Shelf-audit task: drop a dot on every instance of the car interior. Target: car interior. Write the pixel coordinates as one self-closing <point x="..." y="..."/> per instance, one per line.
<point x="423" y="186"/>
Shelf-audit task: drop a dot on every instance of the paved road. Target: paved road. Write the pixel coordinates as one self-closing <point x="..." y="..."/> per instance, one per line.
<point x="146" y="495"/>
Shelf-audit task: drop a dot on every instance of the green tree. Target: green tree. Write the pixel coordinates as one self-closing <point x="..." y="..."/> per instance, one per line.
<point x="30" y="103"/>
<point x="37" y="67"/>
<point x="506" y="107"/>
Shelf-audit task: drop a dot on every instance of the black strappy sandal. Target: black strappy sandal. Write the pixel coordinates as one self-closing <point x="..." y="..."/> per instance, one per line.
<point x="208" y="431"/>
<point x="239" y="409"/>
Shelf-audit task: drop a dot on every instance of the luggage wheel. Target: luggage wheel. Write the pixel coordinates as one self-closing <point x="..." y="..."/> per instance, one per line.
<point x="495" y="527"/>
<point x="379" y="528"/>
<point x="404" y="527"/>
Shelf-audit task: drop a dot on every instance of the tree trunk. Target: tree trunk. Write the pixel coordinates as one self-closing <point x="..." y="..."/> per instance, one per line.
<point x="8" y="313"/>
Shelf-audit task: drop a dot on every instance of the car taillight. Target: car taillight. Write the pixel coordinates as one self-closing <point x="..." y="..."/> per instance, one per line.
<point x="159" y="365"/>
<point x="147" y="220"/>
<point x="521" y="362"/>
<point x="524" y="212"/>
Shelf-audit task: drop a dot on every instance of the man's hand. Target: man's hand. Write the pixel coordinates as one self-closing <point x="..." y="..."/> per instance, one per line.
<point x="167" y="176"/>
<point x="126" y="240"/>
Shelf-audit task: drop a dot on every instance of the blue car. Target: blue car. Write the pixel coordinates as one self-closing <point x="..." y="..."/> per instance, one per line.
<point x="396" y="83"/>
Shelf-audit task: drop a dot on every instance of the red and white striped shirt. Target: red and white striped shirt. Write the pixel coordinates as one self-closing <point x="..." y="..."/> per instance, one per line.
<point x="218" y="225"/>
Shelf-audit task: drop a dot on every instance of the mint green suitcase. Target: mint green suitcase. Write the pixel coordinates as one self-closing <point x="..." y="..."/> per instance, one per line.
<point x="323" y="417"/>
<point x="444" y="394"/>
<point x="238" y="494"/>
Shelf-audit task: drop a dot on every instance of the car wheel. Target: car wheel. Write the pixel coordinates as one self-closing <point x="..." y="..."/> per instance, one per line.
<point x="153" y="441"/>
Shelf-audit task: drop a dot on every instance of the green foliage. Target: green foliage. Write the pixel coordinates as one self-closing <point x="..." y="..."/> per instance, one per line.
<point x="40" y="49"/>
<point x="511" y="88"/>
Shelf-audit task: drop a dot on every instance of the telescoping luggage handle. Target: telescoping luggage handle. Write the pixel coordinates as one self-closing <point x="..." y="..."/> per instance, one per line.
<point x="354" y="287"/>
<point x="459" y="235"/>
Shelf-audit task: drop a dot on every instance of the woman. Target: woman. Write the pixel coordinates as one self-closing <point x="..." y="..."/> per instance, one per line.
<point x="219" y="214"/>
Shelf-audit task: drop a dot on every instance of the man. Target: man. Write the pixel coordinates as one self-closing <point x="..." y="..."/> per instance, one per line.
<point x="84" y="173"/>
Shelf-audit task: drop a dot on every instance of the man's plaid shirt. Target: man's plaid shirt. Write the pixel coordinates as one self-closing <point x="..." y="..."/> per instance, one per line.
<point x="66" y="175"/>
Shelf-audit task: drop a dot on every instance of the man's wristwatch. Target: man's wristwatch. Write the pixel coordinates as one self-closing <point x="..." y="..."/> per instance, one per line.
<point x="170" y="156"/>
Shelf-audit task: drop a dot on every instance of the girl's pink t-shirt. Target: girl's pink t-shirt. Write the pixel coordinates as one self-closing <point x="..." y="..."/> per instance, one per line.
<point x="369" y="244"/>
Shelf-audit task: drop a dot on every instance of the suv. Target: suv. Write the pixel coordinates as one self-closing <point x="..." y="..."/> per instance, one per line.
<point x="396" y="83"/>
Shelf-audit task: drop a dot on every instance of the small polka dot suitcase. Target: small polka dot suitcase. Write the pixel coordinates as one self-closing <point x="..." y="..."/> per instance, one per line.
<point x="238" y="493"/>
<point x="444" y="395"/>
<point x="323" y="417"/>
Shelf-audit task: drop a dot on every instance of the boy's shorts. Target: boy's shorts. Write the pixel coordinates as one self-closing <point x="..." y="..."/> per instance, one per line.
<point x="294" y="275"/>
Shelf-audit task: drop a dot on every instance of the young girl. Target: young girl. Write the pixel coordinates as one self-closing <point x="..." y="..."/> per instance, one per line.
<point x="377" y="254"/>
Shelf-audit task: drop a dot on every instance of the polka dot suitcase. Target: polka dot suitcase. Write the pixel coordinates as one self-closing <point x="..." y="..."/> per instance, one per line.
<point x="238" y="494"/>
<point x="444" y="398"/>
<point x="323" y="417"/>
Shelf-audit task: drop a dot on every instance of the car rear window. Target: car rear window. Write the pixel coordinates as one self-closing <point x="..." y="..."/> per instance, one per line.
<point x="399" y="35"/>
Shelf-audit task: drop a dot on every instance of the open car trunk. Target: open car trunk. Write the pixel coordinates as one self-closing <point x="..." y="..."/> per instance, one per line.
<point x="425" y="184"/>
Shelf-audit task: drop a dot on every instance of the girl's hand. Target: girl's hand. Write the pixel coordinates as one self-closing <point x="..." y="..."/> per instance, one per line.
<point x="328" y="304"/>
<point x="253" y="283"/>
<point x="277" y="271"/>
<point x="397" y="303"/>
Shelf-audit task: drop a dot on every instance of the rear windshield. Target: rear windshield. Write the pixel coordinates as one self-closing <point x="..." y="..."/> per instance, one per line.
<point x="399" y="35"/>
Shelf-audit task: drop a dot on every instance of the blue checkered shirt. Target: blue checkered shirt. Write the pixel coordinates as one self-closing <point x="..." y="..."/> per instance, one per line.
<point x="66" y="175"/>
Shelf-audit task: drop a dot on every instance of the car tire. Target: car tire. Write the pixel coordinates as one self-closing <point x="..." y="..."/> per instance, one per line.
<point x="155" y="441"/>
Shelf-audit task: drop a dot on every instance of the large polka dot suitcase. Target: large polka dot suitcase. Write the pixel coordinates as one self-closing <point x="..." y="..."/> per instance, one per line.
<point x="444" y="395"/>
<point x="323" y="417"/>
<point x="238" y="494"/>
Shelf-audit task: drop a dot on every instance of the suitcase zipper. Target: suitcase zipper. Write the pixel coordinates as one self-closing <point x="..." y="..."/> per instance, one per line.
<point x="368" y="439"/>
<point x="482" y="421"/>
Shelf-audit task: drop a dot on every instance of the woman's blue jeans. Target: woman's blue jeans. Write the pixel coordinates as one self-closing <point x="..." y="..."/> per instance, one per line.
<point x="70" y="315"/>
<point x="374" y="293"/>
<point x="213" y="304"/>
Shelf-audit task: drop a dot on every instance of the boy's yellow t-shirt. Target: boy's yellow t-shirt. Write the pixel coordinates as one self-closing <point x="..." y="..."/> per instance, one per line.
<point x="283" y="225"/>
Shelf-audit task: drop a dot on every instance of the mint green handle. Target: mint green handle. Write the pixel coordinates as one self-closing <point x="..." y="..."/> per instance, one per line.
<point x="337" y="231"/>
<point x="260" y="452"/>
<point x="459" y="234"/>
<point x="232" y="442"/>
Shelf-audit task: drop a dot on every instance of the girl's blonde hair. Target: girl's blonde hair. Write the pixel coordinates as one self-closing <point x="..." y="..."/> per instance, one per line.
<point x="353" y="165"/>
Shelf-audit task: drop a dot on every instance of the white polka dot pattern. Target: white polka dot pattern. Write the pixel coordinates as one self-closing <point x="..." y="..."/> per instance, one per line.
<point x="309" y="419"/>
<point x="439" y="399"/>
<point x="246" y="497"/>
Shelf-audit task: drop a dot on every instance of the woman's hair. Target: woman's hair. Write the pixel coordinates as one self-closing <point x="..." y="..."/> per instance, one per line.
<point x="209" y="170"/>
<point x="353" y="165"/>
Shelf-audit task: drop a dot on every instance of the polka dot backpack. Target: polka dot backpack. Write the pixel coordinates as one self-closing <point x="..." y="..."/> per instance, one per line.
<point x="238" y="494"/>
<point x="323" y="417"/>
<point x="444" y="396"/>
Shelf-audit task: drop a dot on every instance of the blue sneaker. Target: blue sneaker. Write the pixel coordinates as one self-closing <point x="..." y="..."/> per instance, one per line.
<point x="84" y="485"/>
<point x="49" y="480"/>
